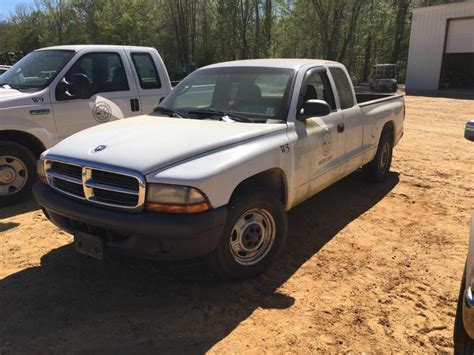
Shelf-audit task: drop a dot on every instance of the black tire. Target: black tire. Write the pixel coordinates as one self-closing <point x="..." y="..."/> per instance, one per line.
<point x="377" y="170"/>
<point x="463" y="344"/>
<point x="27" y="158"/>
<point x="394" y="87"/>
<point x="223" y="260"/>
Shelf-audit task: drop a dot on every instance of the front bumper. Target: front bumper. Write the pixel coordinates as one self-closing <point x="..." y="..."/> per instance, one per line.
<point x="468" y="311"/>
<point x="147" y="234"/>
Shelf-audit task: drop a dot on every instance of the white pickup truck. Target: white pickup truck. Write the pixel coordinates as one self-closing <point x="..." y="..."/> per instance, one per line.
<point x="214" y="168"/>
<point x="55" y="92"/>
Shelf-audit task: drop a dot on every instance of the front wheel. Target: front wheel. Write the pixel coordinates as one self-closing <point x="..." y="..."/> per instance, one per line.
<point x="394" y="87"/>
<point x="377" y="170"/>
<point x="254" y="235"/>
<point x="17" y="172"/>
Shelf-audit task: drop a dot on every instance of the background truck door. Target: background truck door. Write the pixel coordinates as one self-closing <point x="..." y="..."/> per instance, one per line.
<point x="114" y="95"/>
<point x="151" y="78"/>
<point x="353" y="122"/>
<point x="320" y="147"/>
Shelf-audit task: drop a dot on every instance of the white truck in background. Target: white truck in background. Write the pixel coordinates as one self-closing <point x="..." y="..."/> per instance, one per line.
<point x="214" y="168"/>
<point x="54" y="92"/>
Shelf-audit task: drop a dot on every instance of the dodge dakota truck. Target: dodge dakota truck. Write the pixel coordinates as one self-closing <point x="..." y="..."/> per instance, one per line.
<point x="464" y="321"/>
<point x="55" y="92"/>
<point x="213" y="170"/>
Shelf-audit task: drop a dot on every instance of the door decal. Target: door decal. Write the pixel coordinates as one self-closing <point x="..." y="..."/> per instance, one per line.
<point x="326" y="142"/>
<point x="102" y="112"/>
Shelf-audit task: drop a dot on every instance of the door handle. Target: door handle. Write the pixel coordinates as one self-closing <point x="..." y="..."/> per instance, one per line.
<point x="340" y="127"/>
<point x="134" y="105"/>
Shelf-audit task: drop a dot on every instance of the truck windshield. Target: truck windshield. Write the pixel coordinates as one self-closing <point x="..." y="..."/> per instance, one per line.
<point x="36" y="70"/>
<point x="255" y="93"/>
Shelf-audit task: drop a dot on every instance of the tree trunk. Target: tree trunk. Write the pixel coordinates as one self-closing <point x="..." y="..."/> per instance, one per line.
<point x="402" y="11"/>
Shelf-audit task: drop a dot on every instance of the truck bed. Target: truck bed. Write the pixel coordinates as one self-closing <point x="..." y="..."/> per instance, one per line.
<point x="372" y="98"/>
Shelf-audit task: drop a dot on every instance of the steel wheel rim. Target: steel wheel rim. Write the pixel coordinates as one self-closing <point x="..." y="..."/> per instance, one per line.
<point x="252" y="236"/>
<point x="13" y="175"/>
<point x="385" y="156"/>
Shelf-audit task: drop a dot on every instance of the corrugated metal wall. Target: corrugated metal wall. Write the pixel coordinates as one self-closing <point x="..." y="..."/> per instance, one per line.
<point x="428" y="32"/>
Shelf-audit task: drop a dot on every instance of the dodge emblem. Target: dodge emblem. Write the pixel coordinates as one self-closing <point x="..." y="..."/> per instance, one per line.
<point x="100" y="148"/>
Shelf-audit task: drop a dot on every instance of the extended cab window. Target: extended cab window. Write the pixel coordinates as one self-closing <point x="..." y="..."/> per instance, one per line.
<point x="104" y="71"/>
<point x="146" y="70"/>
<point x="319" y="88"/>
<point x="344" y="87"/>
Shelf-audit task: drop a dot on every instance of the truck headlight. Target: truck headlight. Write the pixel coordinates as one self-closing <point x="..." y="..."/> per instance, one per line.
<point x="175" y="199"/>
<point x="41" y="170"/>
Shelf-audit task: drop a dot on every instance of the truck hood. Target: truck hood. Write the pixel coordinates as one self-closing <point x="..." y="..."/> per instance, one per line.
<point x="10" y="98"/>
<point x="8" y="93"/>
<point x="150" y="143"/>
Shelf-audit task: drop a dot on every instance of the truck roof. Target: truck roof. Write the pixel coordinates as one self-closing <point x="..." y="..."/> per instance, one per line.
<point x="78" y="47"/>
<point x="286" y="63"/>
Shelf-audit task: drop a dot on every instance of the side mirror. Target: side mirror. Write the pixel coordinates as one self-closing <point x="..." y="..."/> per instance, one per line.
<point x="80" y="87"/>
<point x="314" y="108"/>
<point x="469" y="131"/>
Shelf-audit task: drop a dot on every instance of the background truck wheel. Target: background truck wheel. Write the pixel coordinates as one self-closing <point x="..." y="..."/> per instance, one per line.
<point x="463" y="344"/>
<point x="394" y="87"/>
<point x="377" y="170"/>
<point x="17" y="172"/>
<point x="253" y="237"/>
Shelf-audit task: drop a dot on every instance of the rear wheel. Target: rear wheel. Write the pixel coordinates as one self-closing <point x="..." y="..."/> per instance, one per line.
<point x="377" y="170"/>
<point x="394" y="87"/>
<point x="253" y="237"/>
<point x="463" y="344"/>
<point x="17" y="172"/>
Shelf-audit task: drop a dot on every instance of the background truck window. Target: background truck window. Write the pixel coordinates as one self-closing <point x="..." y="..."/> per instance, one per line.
<point x="146" y="70"/>
<point x="344" y="88"/>
<point x="105" y="72"/>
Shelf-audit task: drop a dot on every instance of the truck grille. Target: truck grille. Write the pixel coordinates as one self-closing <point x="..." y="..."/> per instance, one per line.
<point x="86" y="181"/>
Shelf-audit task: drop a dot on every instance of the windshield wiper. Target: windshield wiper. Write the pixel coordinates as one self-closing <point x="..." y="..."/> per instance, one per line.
<point x="168" y="111"/>
<point x="212" y="112"/>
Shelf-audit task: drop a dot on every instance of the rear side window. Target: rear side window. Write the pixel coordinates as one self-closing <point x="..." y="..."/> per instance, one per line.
<point x="146" y="70"/>
<point x="343" y="87"/>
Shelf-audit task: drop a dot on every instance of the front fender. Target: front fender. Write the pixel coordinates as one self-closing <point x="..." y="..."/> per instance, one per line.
<point x="30" y="113"/>
<point x="42" y="129"/>
<point x="218" y="174"/>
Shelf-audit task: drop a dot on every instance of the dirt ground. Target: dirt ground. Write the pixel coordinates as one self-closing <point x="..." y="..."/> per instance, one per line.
<point x="367" y="268"/>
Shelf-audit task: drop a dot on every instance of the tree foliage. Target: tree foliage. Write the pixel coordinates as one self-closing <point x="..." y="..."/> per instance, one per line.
<point x="193" y="33"/>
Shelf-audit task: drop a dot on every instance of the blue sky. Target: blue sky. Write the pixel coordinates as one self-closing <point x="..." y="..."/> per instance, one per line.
<point x="8" y="6"/>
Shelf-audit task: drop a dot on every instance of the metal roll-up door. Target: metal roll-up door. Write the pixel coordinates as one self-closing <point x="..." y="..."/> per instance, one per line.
<point x="460" y="37"/>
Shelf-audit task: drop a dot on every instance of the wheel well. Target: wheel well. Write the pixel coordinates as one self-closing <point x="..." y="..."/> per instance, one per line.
<point x="272" y="181"/>
<point x="25" y="139"/>
<point x="390" y="127"/>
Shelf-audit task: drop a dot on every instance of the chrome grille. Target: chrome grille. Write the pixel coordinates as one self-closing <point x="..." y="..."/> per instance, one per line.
<point x="112" y="187"/>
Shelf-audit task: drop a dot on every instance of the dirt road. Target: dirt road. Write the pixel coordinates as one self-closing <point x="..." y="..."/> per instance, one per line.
<point x="367" y="268"/>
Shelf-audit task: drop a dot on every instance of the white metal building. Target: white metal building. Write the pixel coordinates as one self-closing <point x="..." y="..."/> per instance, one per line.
<point x="441" y="54"/>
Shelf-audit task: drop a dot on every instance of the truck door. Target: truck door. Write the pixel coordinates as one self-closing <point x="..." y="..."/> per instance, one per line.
<point x="320" y="145"/>
<point x="151" y="78"/>
<point x="353" y="123"/>
<point x="112" y="95"/>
